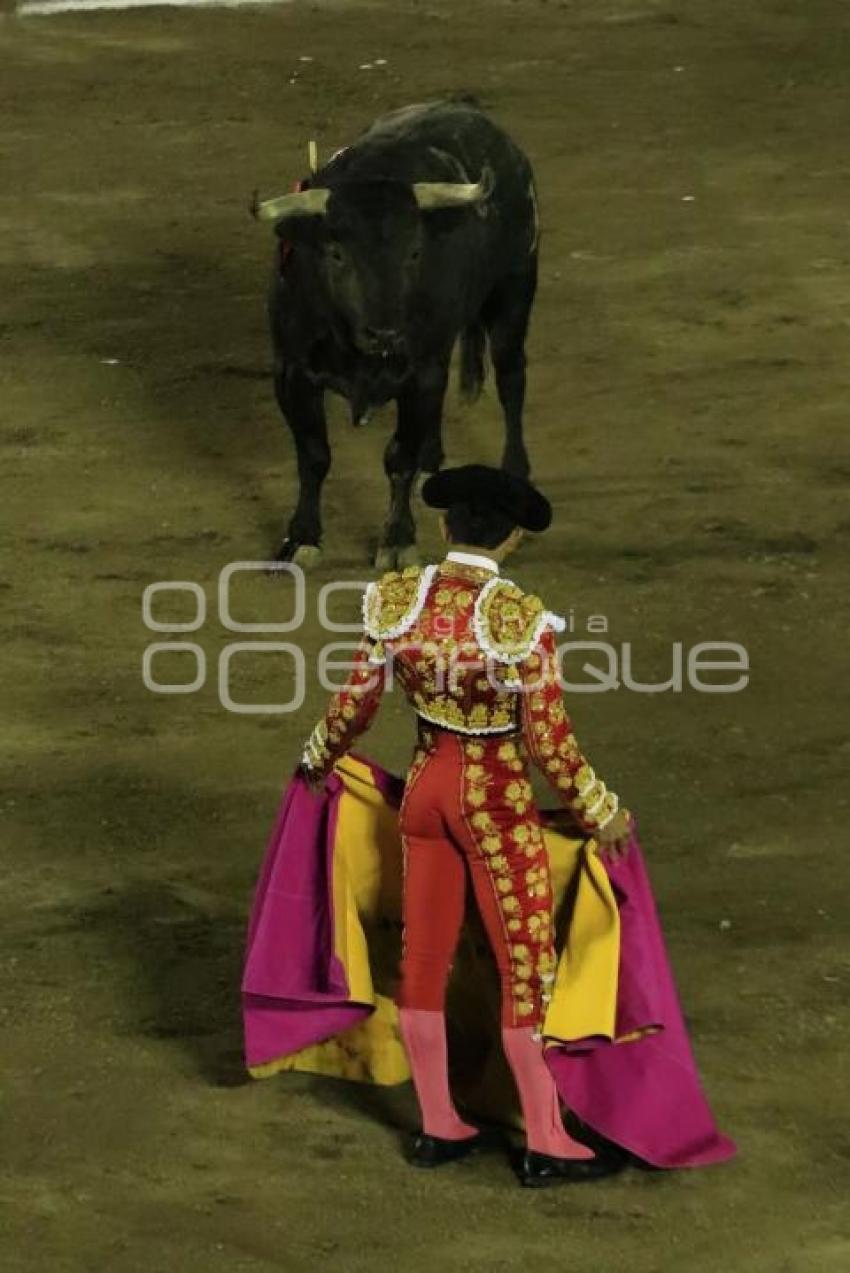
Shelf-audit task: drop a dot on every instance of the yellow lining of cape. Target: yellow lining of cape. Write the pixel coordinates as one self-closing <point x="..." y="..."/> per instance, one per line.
<point x="367" y="907"/>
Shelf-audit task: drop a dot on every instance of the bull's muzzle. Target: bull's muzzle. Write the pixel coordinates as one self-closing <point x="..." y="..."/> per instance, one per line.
<point x="380" y="342"/>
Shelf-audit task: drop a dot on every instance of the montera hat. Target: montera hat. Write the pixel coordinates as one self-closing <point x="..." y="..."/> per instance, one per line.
<point x="487" y="489"/>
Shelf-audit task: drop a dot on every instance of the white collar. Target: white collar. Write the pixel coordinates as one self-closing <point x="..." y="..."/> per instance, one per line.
<point x="474" y="559"/>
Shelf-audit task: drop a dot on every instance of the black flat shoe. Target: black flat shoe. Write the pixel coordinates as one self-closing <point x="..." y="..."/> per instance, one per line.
<point x="538" y="1171"/>
<point x="433" y="1151"/>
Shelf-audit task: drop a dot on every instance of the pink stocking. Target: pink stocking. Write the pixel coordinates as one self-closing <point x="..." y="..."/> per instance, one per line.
<point x="538" y="1095"/>
<point x="424" y="1035"/>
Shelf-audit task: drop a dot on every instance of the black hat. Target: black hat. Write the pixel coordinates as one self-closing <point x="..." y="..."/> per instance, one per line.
<point x="485" y="488"/>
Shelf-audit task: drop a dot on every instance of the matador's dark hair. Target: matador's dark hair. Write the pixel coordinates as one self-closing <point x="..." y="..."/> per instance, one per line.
<point x="481" y="525"/>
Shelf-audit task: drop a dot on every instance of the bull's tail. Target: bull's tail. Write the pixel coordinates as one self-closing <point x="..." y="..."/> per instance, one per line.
<point x="472" y="342"/>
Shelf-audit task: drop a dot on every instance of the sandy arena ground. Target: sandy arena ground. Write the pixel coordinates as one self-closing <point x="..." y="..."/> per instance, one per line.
<point x="687" y="414"/>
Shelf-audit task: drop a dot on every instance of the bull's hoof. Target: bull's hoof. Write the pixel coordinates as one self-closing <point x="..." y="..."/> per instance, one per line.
<point x="307" y="556"/>
<point x="396" y="557"/>
<point x="386" y="557"/>
<point x="304" y="555"/>
<point x="407" y="556"/>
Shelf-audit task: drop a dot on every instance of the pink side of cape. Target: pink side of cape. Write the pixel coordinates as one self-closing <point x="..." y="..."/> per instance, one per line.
<point x="645" y="1096"/>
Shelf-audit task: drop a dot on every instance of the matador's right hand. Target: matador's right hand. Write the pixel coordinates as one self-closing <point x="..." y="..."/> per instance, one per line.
<point x="613" y="839"/>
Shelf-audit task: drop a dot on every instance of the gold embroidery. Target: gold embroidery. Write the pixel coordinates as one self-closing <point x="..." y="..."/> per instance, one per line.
<point x="391" y="599"/>
<point x="509" y="618"/>
<point x="459" y="570"/>
<point x="443" y="710"/>
<point x="583" y="777"/>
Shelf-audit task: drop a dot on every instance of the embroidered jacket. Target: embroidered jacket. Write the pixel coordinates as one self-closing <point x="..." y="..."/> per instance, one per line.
<point x="473" y="654"/>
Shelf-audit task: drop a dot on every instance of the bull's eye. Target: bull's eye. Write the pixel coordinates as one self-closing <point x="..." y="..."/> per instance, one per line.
<point x="415" y="256"/>
<point x="333" y="252"/>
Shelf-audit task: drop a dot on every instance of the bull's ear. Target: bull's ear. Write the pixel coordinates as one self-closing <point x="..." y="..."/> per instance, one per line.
<point x="303" y="203"/>
<point x="454" y="194"/>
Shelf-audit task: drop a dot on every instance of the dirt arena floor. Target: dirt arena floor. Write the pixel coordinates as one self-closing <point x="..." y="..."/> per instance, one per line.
<point x="687" y="414"/>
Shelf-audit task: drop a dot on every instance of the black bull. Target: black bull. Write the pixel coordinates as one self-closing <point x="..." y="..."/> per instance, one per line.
<point x="422" y="232"/>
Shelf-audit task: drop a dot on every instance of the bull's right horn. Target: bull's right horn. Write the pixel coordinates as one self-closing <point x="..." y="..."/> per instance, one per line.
<point x="304" y="203"/>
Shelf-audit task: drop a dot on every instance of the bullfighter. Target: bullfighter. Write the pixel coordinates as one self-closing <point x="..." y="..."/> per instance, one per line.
<point x="476" y="657"/>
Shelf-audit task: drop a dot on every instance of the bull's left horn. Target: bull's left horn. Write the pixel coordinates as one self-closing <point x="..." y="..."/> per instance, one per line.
<point x="453" y="194"/>
<point x="304" y="203"/>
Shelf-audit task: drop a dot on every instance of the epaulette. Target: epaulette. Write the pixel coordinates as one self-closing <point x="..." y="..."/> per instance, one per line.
<point x="392" y="604"/>
<point x="509" y="622"/>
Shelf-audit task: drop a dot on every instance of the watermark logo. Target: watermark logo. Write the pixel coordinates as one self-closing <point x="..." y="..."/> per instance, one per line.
<point x="583" y="666"/>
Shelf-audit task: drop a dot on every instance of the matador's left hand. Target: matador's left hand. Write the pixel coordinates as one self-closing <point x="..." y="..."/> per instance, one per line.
<point x="314" y="778"/>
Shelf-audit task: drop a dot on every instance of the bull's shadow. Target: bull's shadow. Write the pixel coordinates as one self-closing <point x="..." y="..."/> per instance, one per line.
<point x="187" y="339"/>
<point x="188" y="348"/>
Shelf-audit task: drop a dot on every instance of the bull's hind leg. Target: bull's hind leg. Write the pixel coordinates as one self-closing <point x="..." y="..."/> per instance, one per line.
<point x="303" y="408"/>
<point x="415" y="445"/>
<point x="506" y="315"/>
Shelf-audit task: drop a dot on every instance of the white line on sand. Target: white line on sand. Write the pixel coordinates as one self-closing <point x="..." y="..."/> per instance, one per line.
<point x="44" y="8"/>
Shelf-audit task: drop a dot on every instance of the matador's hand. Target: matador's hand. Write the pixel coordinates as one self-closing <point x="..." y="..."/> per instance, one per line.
<point x="314" y="778"/>
<point x="613" y="839"/>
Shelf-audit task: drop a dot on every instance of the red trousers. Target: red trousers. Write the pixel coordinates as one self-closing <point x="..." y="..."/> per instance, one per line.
<point x="468" y="813"/>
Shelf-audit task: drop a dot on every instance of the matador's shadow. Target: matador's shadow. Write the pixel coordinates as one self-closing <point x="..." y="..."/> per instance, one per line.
<point x="176" y="953"/>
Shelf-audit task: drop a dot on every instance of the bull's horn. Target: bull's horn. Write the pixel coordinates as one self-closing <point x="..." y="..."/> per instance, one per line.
<point x="453" y="194"/>
<point x="304" y="203"/>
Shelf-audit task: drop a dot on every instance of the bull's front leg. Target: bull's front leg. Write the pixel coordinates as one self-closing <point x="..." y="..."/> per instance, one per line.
<point x="303" y="407"/>
<point x="506" y="317"/>
<point x="416" y="444"/>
